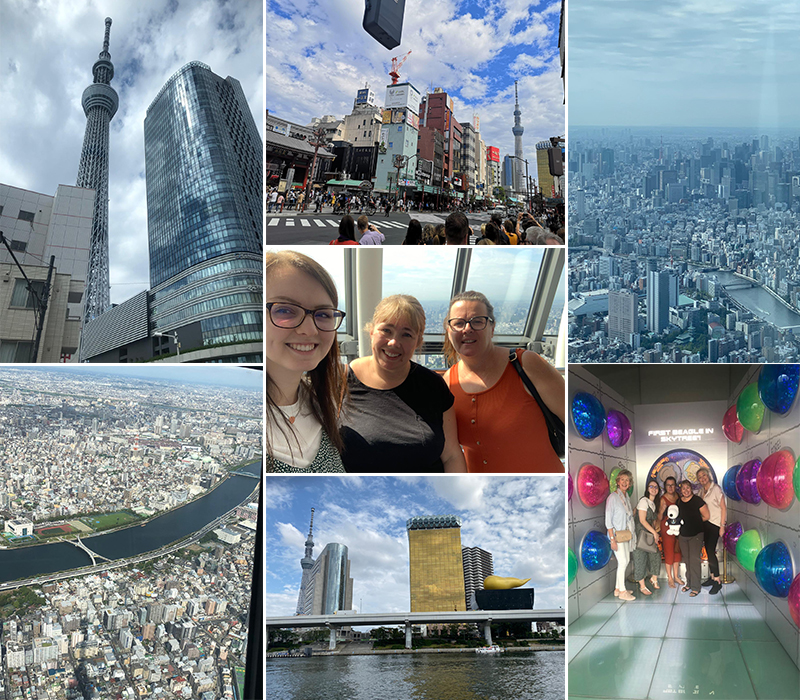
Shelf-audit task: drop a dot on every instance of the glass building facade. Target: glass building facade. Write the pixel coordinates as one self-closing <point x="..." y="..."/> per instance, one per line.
<point x="204" y="168"/>
<point x="435" y="565"/>
<point x="330" y="587"/>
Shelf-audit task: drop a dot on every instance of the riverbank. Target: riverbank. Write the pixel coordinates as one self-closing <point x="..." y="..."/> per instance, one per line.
<point x="298" y="654"/>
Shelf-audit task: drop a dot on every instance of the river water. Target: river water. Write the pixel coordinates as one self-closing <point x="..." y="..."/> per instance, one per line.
<point x="537" y="675"/>
<point x="183" y="521"/>
<point x="760" y="302"/>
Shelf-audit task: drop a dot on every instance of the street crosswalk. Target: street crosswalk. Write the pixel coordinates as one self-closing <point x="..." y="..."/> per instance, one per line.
<point x="308" y="222"/>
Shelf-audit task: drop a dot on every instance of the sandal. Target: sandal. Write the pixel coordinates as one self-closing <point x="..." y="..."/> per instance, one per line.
<point x="645" y="590"/>
<point x="654" y="584"/>
<point x="694" y="593"/>
<point x="685" y="588"/>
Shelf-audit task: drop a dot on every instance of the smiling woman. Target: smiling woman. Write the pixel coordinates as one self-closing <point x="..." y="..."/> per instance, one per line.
<point x="304" y="375"/>
<point x="398" y="416"/>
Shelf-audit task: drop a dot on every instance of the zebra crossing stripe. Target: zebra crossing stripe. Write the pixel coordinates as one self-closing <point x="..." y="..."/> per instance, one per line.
<point x="290" y="222"/>
<point x="318" y="222"/>
<point x="272" y="222"/>
<point x="305" y="222"/>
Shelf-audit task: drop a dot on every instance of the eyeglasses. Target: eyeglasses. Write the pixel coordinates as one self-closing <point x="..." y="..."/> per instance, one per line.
<point x="477" y="323"/>
<point x="285" y="315"/>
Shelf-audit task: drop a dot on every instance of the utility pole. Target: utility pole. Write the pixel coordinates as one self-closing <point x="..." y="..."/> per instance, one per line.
<point x="319" y="140"/>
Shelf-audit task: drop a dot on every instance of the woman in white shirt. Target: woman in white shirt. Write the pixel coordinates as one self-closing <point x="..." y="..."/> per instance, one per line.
<point x="301" y="357"/>
<point x="619" y="520"/>
<point x="714" y="527"/>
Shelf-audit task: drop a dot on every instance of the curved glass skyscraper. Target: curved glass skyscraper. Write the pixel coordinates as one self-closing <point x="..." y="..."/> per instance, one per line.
<point x="204" y="168"/>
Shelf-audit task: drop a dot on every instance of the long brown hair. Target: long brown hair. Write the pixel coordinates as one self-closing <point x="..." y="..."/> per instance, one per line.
<point x="448" y="350"/>
<point x="326" y="380"/>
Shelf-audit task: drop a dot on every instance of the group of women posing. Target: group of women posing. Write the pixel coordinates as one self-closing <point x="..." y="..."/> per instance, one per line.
<point x="701" y="521"/>
<point x="384" y="412"/>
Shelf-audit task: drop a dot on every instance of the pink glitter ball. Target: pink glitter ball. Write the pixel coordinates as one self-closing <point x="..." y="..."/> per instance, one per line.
<point x="592" y="485"/>
<point x="775" y="480"/>
<point x="731" y="426"/>
<point x="794" y="600"/>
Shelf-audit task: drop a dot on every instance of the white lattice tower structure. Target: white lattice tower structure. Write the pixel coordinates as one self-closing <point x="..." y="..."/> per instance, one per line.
<point x="517" y="130"/>
<point x="100" y="104"/>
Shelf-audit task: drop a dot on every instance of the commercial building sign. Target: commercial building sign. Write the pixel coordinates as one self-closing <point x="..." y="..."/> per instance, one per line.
<point x="412" y="119"/>
<point x="398" y="116"/>
<point x="402" y="96"/>
<point x="386" y="116"/>
<point x="424" y="171"/>
<point x="493" y="154"/>
<point x="362" y="97"/>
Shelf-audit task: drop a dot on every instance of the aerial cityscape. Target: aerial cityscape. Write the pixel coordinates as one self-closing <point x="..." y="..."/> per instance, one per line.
<point x="684" y="248"/>
<point x="168" y="470"/>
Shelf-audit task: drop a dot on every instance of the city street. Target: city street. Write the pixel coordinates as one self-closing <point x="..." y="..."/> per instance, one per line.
<point x="294" y="228"/>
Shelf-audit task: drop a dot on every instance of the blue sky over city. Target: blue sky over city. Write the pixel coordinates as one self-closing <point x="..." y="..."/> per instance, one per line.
<point x="520" y="520"/>
<point x="717" y="63"/>
<point x="47" y="50"/>
<point x="318" y="56"/>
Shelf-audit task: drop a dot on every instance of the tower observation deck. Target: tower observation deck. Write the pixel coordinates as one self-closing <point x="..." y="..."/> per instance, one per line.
<point x="100" y="104"/>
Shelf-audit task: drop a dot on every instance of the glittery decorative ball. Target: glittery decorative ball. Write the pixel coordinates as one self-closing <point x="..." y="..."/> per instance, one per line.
<point x="747" y="548"/>
<point x="729" y="483"/>
<point x="595" y="550"/>
<point x="777" y="386"/>
<point x="592" y="485"/>
<point x="588" y="415"/>
<point x="746" y="481"/>
<point x="750" y="408"/>
<point x="775" y="480"/>
<point x="733" y="531"/>
<point x="618" y="428"/>
<point x="731" y="426"/>
<point x="774" y="569"/>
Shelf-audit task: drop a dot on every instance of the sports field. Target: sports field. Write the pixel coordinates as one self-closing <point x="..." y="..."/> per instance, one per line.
<point x="53" y="530"/>
<point x="109" y="520"/>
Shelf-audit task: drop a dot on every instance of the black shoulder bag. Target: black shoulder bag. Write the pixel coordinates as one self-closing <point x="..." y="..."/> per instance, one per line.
<point x="555" y="426"/>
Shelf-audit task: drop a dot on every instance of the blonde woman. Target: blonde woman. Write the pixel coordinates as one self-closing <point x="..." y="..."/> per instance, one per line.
<point x="620" y="526"/>
<point x="398" y="416"/>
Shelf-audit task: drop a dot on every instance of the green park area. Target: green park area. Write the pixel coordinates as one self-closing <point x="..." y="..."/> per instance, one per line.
<point x="18" y="601"/>
<point x="107" y="521"/>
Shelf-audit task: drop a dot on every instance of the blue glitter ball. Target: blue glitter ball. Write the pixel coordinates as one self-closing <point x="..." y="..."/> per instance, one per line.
<point x="777" y="386"/>
<point x="588" y="415"/>
<point x="595" y="550"/>
<point x="774" y="569"/>
<point x="729" y="483"/>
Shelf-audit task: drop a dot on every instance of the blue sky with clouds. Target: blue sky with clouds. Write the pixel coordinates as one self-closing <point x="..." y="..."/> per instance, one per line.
<point x="318" y="56"/>
<point x="47" y="50"/>
<point x="713" y="63"/>
<point x="520" y="520"/>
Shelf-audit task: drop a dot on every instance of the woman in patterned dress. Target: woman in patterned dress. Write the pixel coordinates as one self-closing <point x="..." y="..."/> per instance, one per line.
<point x="304" y="376"/>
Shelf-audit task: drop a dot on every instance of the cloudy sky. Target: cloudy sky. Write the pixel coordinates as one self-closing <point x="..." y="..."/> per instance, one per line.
<point x="520" y="520"/>
<point x="474" y="49"/>
<point x="684" y="63"/>
<point x="47" y="50"/>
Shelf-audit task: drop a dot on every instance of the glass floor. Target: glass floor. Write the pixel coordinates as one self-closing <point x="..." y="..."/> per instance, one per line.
<point x="669" y="645"/>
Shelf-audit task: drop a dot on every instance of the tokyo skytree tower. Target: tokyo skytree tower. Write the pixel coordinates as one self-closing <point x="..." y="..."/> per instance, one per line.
<point x="100" y="104"/>
<point x="517" y="129"/>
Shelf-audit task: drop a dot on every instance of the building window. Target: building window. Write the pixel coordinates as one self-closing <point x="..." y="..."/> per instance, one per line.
<point x="25" y="216"/>
<point x="21" y="297"/>
<point x="18" y="245"/>
<point x="15" y="351"/>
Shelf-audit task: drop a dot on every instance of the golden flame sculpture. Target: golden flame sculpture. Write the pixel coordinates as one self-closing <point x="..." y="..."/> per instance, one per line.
<point x="502" y="583"/>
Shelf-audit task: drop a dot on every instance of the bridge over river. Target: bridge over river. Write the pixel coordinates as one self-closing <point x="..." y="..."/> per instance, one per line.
<point x="482" y="617"/>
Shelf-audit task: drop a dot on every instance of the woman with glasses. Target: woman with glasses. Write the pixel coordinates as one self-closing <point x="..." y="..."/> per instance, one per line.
<point x="398" y="415"/>
<point x="304" y="375"/>
<point x="500" y="424"/>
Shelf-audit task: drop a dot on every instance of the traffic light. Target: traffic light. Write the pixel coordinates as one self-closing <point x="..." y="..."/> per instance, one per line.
<point x="383" y="20"/>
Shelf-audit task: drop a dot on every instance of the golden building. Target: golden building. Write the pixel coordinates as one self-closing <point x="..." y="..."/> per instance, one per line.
<point x="435" y="564"/>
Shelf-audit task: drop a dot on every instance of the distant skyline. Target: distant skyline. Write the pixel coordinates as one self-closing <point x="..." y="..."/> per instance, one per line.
<point x="519" y="519"/>
<point x="330" y="57"/>
<point x="213" y="374"/>
<point x="719" y="63"/>
<point x="46" y="55"/>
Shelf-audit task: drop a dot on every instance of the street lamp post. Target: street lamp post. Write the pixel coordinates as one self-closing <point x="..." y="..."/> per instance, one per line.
<point x="319" y="140"/>
<point x="172" y="336"/>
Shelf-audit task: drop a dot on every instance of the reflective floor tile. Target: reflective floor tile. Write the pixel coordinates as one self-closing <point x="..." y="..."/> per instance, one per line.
<point x="614" y="667"/>
<point x="590" y="622"/>
<point x="700" y="622"/>
<point x="749" y="625"/>
<point x="772" y="672"/>
<point x="638" y="621"/>
<point x="575" y="643"/>
<point x="700" y="669"/>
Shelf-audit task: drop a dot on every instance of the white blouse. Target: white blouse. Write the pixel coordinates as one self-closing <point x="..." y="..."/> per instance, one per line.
<point x="298" y="447"/>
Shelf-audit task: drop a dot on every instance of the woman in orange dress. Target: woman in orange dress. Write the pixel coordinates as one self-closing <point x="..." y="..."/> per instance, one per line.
<point x="500" y="425"/>
<point x="672" y="554"/>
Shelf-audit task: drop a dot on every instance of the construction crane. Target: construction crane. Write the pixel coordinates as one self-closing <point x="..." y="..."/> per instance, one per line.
<point x="397" y="61"/>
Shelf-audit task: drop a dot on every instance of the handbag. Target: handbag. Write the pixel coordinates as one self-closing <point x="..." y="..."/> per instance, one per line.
<point x="646" y="541"/>
<point x="555" y="426"/>
<point x="623" y="535"/>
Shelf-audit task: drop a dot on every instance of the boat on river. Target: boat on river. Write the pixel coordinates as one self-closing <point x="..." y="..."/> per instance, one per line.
<point x="493" y="649"/>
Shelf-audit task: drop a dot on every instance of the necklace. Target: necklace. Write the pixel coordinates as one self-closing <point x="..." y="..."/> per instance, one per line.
<point x="293" y="410"/>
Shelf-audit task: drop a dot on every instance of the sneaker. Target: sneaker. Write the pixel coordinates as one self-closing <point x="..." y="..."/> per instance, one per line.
<point x="709" y="581"/>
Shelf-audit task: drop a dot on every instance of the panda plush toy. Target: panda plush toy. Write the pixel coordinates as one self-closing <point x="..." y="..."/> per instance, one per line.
<point x="674" y="521"/>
